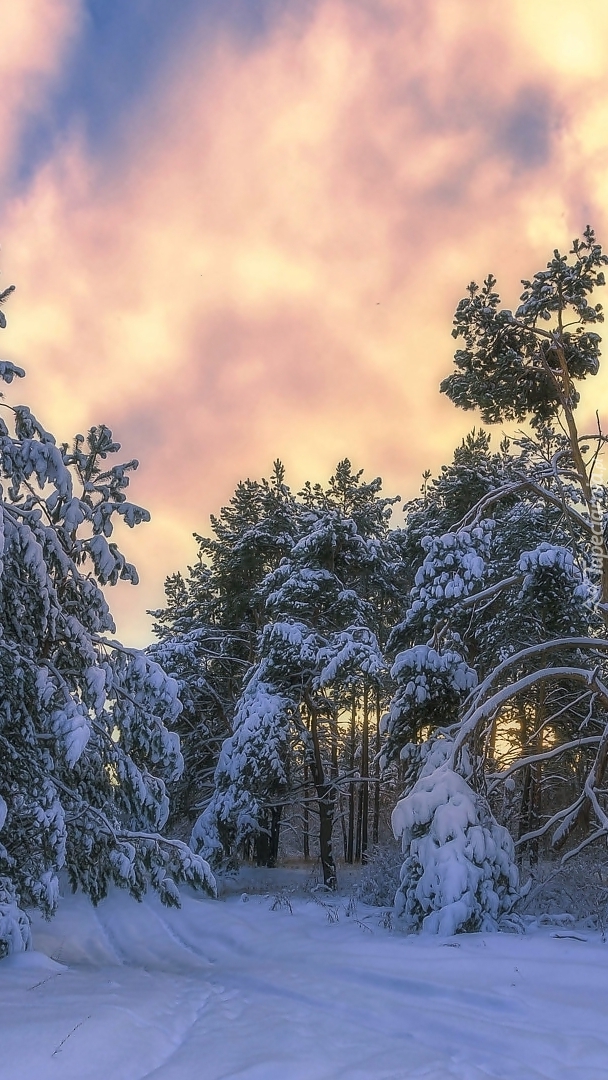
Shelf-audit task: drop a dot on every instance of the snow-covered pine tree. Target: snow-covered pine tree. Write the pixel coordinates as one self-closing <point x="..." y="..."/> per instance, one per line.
<point x="459" y="872"/>
<point x="316" y="640"/>
<point x="252" y="774"/>
<point x="197" y="651"/>
<point x="432" y="648"/>
<point x="509" y="586"/>
<point x="315" y="595"/>
<point x="381" y="583"/>
<point x="209" y="628"/>
<point x="85" y="750"/>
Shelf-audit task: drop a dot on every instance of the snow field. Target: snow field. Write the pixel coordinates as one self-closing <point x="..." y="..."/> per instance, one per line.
<point x="233" y="990"/>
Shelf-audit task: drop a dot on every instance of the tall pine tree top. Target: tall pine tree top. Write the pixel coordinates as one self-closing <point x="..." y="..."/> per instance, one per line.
<point x="523" y="365"/>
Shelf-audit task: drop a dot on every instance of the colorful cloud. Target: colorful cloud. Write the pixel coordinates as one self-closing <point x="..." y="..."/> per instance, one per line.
<point x="264" y="259"/>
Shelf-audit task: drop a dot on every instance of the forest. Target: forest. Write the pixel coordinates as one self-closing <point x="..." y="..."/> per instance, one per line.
<point x="331" y="660"/>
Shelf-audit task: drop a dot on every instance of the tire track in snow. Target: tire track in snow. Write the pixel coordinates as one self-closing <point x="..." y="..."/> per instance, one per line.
<point x="395" y="1010"/>
<point x="201" y="958"/>
<point x="108" y="936"/>
<point x="157" y="1070"/>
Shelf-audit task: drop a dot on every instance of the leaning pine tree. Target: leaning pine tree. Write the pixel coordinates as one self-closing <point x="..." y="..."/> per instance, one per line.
<point x="475" y="580"/>
<point x="85" y="753"/>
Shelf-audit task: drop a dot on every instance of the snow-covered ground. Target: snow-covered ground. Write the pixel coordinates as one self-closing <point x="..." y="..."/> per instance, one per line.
<point x="232" y="989"/>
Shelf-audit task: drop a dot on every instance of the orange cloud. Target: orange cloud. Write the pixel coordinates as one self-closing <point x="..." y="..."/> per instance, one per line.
<point x="269" y="264"/>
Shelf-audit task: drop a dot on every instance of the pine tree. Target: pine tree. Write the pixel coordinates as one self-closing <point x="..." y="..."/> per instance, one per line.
<point x="209" y="628"/>
<point x="317" y="643"/>
<point x="197" y="651"/>
<point x="509" y="587"/>
<point x="86" y="750"/>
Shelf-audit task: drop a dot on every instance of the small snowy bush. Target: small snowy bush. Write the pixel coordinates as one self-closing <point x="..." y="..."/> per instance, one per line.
<point x="380" y="876"/>
<point x="15" y="933"/>
<point x="459" y="872"/>
<point x="578" y="886"/>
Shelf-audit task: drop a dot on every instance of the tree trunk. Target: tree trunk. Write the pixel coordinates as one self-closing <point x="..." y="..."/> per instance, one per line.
<point x="524" y="811"/>
<point x="275" y="833"/>
<point x="536" y="772"/>
<point x="306" y="836"/>
<point x="343" y="826"/>
<point x="531" y="793"/>
<point x="595" y="510"/>
<point x="326" y="799"/>
<point x="365" y="775"/>
<point x="267" y="842"/>
<point x="350" y="854"/>
<point x="326" y="825"/>
<point x="359" y="831"/>
<point x="376" y="821"/>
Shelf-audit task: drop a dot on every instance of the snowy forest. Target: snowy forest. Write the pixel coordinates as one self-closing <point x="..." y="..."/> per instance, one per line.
<point x="335" y="664"/>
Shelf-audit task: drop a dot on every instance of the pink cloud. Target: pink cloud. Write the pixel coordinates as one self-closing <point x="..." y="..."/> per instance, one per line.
<point x="270" y="264"/>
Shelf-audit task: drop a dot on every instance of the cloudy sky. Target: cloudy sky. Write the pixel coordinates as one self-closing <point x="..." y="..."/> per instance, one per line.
<point x="239" y="228"/>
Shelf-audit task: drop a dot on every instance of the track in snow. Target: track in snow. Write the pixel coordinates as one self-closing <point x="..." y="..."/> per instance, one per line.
<point x="235" y="991"/>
